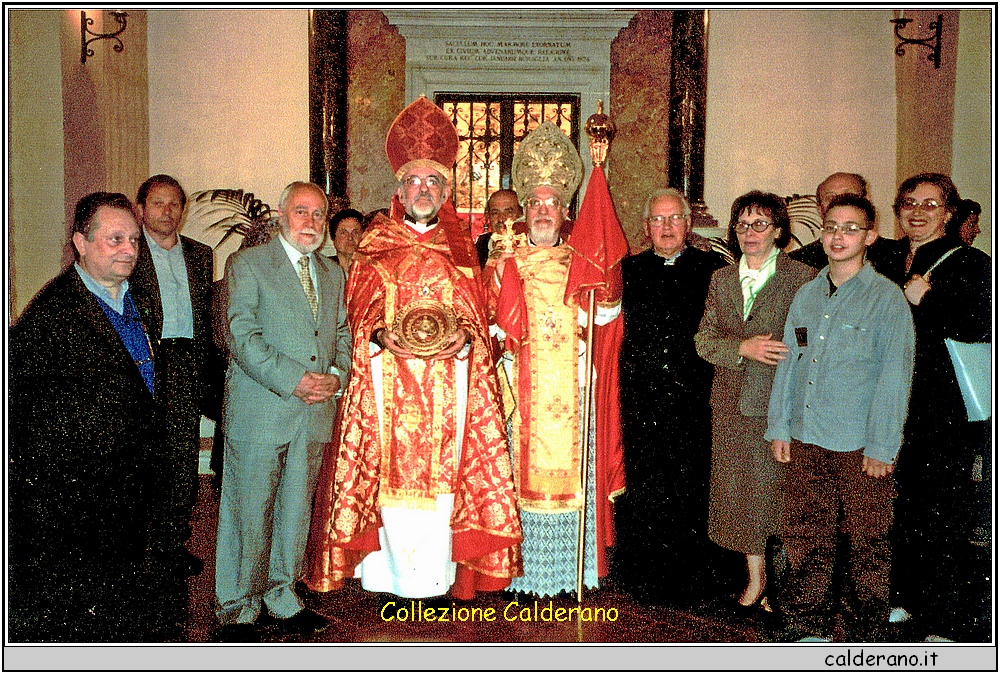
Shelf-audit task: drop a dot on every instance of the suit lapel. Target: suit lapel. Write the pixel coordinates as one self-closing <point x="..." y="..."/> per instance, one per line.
<point x="92" y="313"/>
<point x="197" y="287"/>
<point x="286" y="277"/>
<point x="146" y="290"/>
<point x="326" y="290"/>
<point x="732" y="292"/>
<point x="780" y="269"/>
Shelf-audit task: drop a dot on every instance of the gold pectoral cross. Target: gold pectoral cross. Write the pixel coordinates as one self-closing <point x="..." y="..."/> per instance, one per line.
<point x="507" y="240"/>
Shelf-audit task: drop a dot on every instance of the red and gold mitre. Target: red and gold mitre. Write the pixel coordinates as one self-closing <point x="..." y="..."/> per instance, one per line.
<point x="421" y="135"/>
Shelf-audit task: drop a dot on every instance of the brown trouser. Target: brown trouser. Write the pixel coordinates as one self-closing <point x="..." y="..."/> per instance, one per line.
<point x="822" y="489"/>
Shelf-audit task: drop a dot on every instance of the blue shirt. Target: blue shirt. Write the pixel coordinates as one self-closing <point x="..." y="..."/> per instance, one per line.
<point x="175" y="293"/>
<point x="125" y="319"/>
<point x="845" y="384"/>
<point x="102" y="293"/>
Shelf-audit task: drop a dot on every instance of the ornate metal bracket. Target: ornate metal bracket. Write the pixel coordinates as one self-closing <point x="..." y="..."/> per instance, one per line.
<point x="932" y="42"/>
<point x="86" y="51"/>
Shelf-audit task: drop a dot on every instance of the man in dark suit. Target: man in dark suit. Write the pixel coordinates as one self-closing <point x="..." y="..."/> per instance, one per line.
<point x="881" y="253"/>
<point x="172" y="288"/>
<point x="289" y="354"/>
<point x="663" y="553"/>
<point x="83" y="424"/>
<point x="502" y="206"/>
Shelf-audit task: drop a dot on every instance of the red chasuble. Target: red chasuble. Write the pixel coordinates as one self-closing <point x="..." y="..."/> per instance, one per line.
<point x="412" y="458"/>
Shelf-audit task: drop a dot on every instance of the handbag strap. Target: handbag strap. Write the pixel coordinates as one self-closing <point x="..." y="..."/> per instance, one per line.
<point x="927" y="274"/>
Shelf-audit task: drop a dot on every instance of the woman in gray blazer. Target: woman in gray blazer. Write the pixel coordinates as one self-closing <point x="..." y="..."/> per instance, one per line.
<point x="740" y="333"/>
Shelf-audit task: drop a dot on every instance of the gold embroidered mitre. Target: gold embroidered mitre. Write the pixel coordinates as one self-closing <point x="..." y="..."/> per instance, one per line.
<point x="546" y="157"/>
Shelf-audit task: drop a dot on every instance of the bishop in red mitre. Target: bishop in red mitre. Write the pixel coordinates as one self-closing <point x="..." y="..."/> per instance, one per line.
<point x="422" y="500"/>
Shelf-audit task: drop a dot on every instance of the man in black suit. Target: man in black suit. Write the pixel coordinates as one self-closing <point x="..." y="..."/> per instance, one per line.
<point x="881" y="253"/>
<point x="663" y="553"/>
<point x="83" y="423"/>
<point x="500" y="207"/>
<point x="172" y="286"/>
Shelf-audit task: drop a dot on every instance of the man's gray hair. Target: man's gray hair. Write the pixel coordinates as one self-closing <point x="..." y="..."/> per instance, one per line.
<point x="666" y="192"/>
<point x="298" y="184"/>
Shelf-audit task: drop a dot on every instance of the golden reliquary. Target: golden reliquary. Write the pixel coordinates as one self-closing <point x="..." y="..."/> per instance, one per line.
<point x="425" y="326"/>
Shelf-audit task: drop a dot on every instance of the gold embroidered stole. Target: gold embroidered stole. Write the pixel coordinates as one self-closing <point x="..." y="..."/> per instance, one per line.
<point x="546" y="442"/>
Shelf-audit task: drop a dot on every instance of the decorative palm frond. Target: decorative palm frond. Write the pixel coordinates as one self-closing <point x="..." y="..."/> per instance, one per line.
<point x="803" y="215"/>
<point x="235" y="212"/>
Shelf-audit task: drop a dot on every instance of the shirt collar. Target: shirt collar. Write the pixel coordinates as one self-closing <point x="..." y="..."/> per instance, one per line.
<point x="423" y="228"/>
<point x="766" y="267"/>
<point x="293" y="255"/>
<point x="103" y="293"/>
<point x="673" y="258"/>
<point x="156" y="249"/>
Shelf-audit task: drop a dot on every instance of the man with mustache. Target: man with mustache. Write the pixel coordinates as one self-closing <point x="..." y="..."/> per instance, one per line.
<point x="502" y="206"/>
<point x="289" y="355"/>
<point x="83" y="427"/>
<point x="172" y="287"/>
<point x="423" y="501"/>
<point x="544" y="359"/>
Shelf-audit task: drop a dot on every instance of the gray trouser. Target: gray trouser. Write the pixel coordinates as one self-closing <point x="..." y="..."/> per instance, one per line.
<point x="264" y="516"/>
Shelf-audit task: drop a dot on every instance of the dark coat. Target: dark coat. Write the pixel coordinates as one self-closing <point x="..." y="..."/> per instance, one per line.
<point x="883" y="255"/>
<point x="744" y="387"/>
<point x="662" y="305"/>
<point x="146" y="292"/>
<point x="662" y="517"/>
<point x="82" y="423"/>
<point x="933" y="510"/>
<point x="958" y="306"/>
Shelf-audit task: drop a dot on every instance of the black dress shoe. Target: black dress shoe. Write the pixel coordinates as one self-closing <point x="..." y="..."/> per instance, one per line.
<point x="304" y="622"/>
<point x="237" y="633"/>
<point x="189" y="564"/>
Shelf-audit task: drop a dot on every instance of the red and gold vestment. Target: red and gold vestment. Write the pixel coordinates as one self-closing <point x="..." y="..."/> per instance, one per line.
<point x="416" y="454"/>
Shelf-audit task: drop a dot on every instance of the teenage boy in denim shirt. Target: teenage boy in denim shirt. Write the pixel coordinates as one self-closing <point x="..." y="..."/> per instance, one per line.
<point x="835" y="421"/>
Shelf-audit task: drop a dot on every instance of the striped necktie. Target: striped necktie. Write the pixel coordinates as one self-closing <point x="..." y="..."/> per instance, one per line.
<point x="307" y="285"/>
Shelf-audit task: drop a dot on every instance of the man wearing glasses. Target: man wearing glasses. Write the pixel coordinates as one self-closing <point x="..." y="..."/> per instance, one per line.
<point x="423" y="500"/>
<point x="662" y="518"/>
<point x="544" y="358"/>
<point x="835" y="422"/>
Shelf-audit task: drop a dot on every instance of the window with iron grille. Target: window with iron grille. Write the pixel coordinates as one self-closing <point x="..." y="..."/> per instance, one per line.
<point x="490" y="129"/>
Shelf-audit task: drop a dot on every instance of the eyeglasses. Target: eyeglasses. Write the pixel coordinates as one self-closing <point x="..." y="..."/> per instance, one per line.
<point x="303" y="213"/>
<point x="675" y="220"/>
<point x="846" y="228"/>
<point x="926" y="205"/>
<point x="757" y="226"/>
<point x="548" y="202"/>
<point x="431" y="182"/>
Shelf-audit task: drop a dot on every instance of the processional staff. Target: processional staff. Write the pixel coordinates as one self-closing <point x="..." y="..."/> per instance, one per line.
<point x="600" y="130"/>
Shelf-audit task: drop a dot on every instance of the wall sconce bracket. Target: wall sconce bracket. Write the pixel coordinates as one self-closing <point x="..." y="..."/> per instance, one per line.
<point x="85" y="50"/>
<point x="932" y="42"/>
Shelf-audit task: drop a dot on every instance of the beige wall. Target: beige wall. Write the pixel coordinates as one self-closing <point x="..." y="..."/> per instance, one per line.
<point x="794" y="95"/>
<point x="973" y="137"/>
<point x="228" y="99"/>
<point x="35" y="204"/>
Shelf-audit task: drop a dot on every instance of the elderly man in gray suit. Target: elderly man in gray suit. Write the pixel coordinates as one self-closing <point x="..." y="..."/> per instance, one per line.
<point x="290" y="353"/>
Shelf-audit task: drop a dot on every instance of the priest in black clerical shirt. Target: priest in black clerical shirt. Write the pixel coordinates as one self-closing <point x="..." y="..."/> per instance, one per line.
<point x="662" y="519"/>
